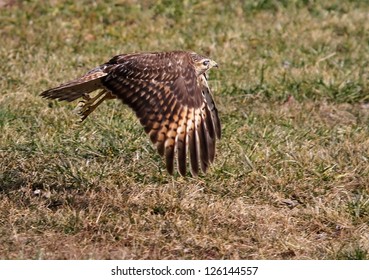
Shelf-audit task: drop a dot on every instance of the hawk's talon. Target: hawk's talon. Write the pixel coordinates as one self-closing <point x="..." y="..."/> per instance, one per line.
<point x="87" y="105"/>
<point x="86" y="96"/>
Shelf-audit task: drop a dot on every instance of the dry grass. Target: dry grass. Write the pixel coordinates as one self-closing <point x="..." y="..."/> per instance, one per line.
<point x="291" y="177"/>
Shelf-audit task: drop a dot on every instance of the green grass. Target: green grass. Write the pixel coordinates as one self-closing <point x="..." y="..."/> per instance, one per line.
<point x="291" y="176"/>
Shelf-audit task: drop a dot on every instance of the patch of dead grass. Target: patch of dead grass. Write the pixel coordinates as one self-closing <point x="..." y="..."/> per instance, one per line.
<point x="290" y="179"/>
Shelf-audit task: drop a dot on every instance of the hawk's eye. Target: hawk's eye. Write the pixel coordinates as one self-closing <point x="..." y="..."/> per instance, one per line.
<point x="206" y="62"/>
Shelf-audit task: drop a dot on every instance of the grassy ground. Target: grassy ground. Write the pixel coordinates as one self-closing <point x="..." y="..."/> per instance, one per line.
<point x="291" y="177"/>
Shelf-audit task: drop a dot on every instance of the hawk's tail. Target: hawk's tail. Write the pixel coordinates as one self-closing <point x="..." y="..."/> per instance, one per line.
<point x="76" y="88"/>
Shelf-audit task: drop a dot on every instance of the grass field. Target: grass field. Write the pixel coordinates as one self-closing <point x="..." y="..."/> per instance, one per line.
<point x="291" y="176"/>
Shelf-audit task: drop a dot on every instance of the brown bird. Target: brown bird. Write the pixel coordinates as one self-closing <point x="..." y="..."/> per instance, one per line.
<point x="168" y="92"/>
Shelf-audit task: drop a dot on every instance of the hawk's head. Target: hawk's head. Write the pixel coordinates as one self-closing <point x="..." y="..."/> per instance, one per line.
<point x="202" y="64"/>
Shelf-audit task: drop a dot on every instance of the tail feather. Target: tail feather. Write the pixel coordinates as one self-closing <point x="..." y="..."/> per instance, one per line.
<point x="76" y="88"/>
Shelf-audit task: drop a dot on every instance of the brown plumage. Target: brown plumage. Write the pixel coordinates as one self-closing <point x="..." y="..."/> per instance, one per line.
<point x="170" y="95"/>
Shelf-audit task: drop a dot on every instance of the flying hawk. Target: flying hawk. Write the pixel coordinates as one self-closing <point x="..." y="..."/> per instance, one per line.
<point x="168" y="92"/>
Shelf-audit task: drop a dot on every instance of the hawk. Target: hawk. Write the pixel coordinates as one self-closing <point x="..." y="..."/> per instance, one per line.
<point x="170" y="95"/>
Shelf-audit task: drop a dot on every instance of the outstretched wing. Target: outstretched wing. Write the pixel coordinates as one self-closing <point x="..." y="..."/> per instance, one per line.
<point x="174" y="106"/>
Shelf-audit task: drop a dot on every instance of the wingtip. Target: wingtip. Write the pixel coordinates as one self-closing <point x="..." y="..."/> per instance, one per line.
<point x="194" y="173"/>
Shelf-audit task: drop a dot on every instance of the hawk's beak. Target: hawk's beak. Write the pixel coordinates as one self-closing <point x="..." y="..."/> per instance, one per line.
<point x="214" y="64"/>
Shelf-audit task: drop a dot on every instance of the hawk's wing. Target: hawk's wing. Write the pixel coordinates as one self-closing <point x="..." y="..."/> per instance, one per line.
<point x="173" y="104"/>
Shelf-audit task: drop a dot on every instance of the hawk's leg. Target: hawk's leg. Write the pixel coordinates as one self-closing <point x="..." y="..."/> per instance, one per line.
<point x="86" y="106"/>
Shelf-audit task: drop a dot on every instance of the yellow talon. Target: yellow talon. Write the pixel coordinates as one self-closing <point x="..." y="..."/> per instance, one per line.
<point x="86" y="106"/>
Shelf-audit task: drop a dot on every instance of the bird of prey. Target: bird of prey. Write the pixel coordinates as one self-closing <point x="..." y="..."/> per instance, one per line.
<point x="170" y="95"/>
